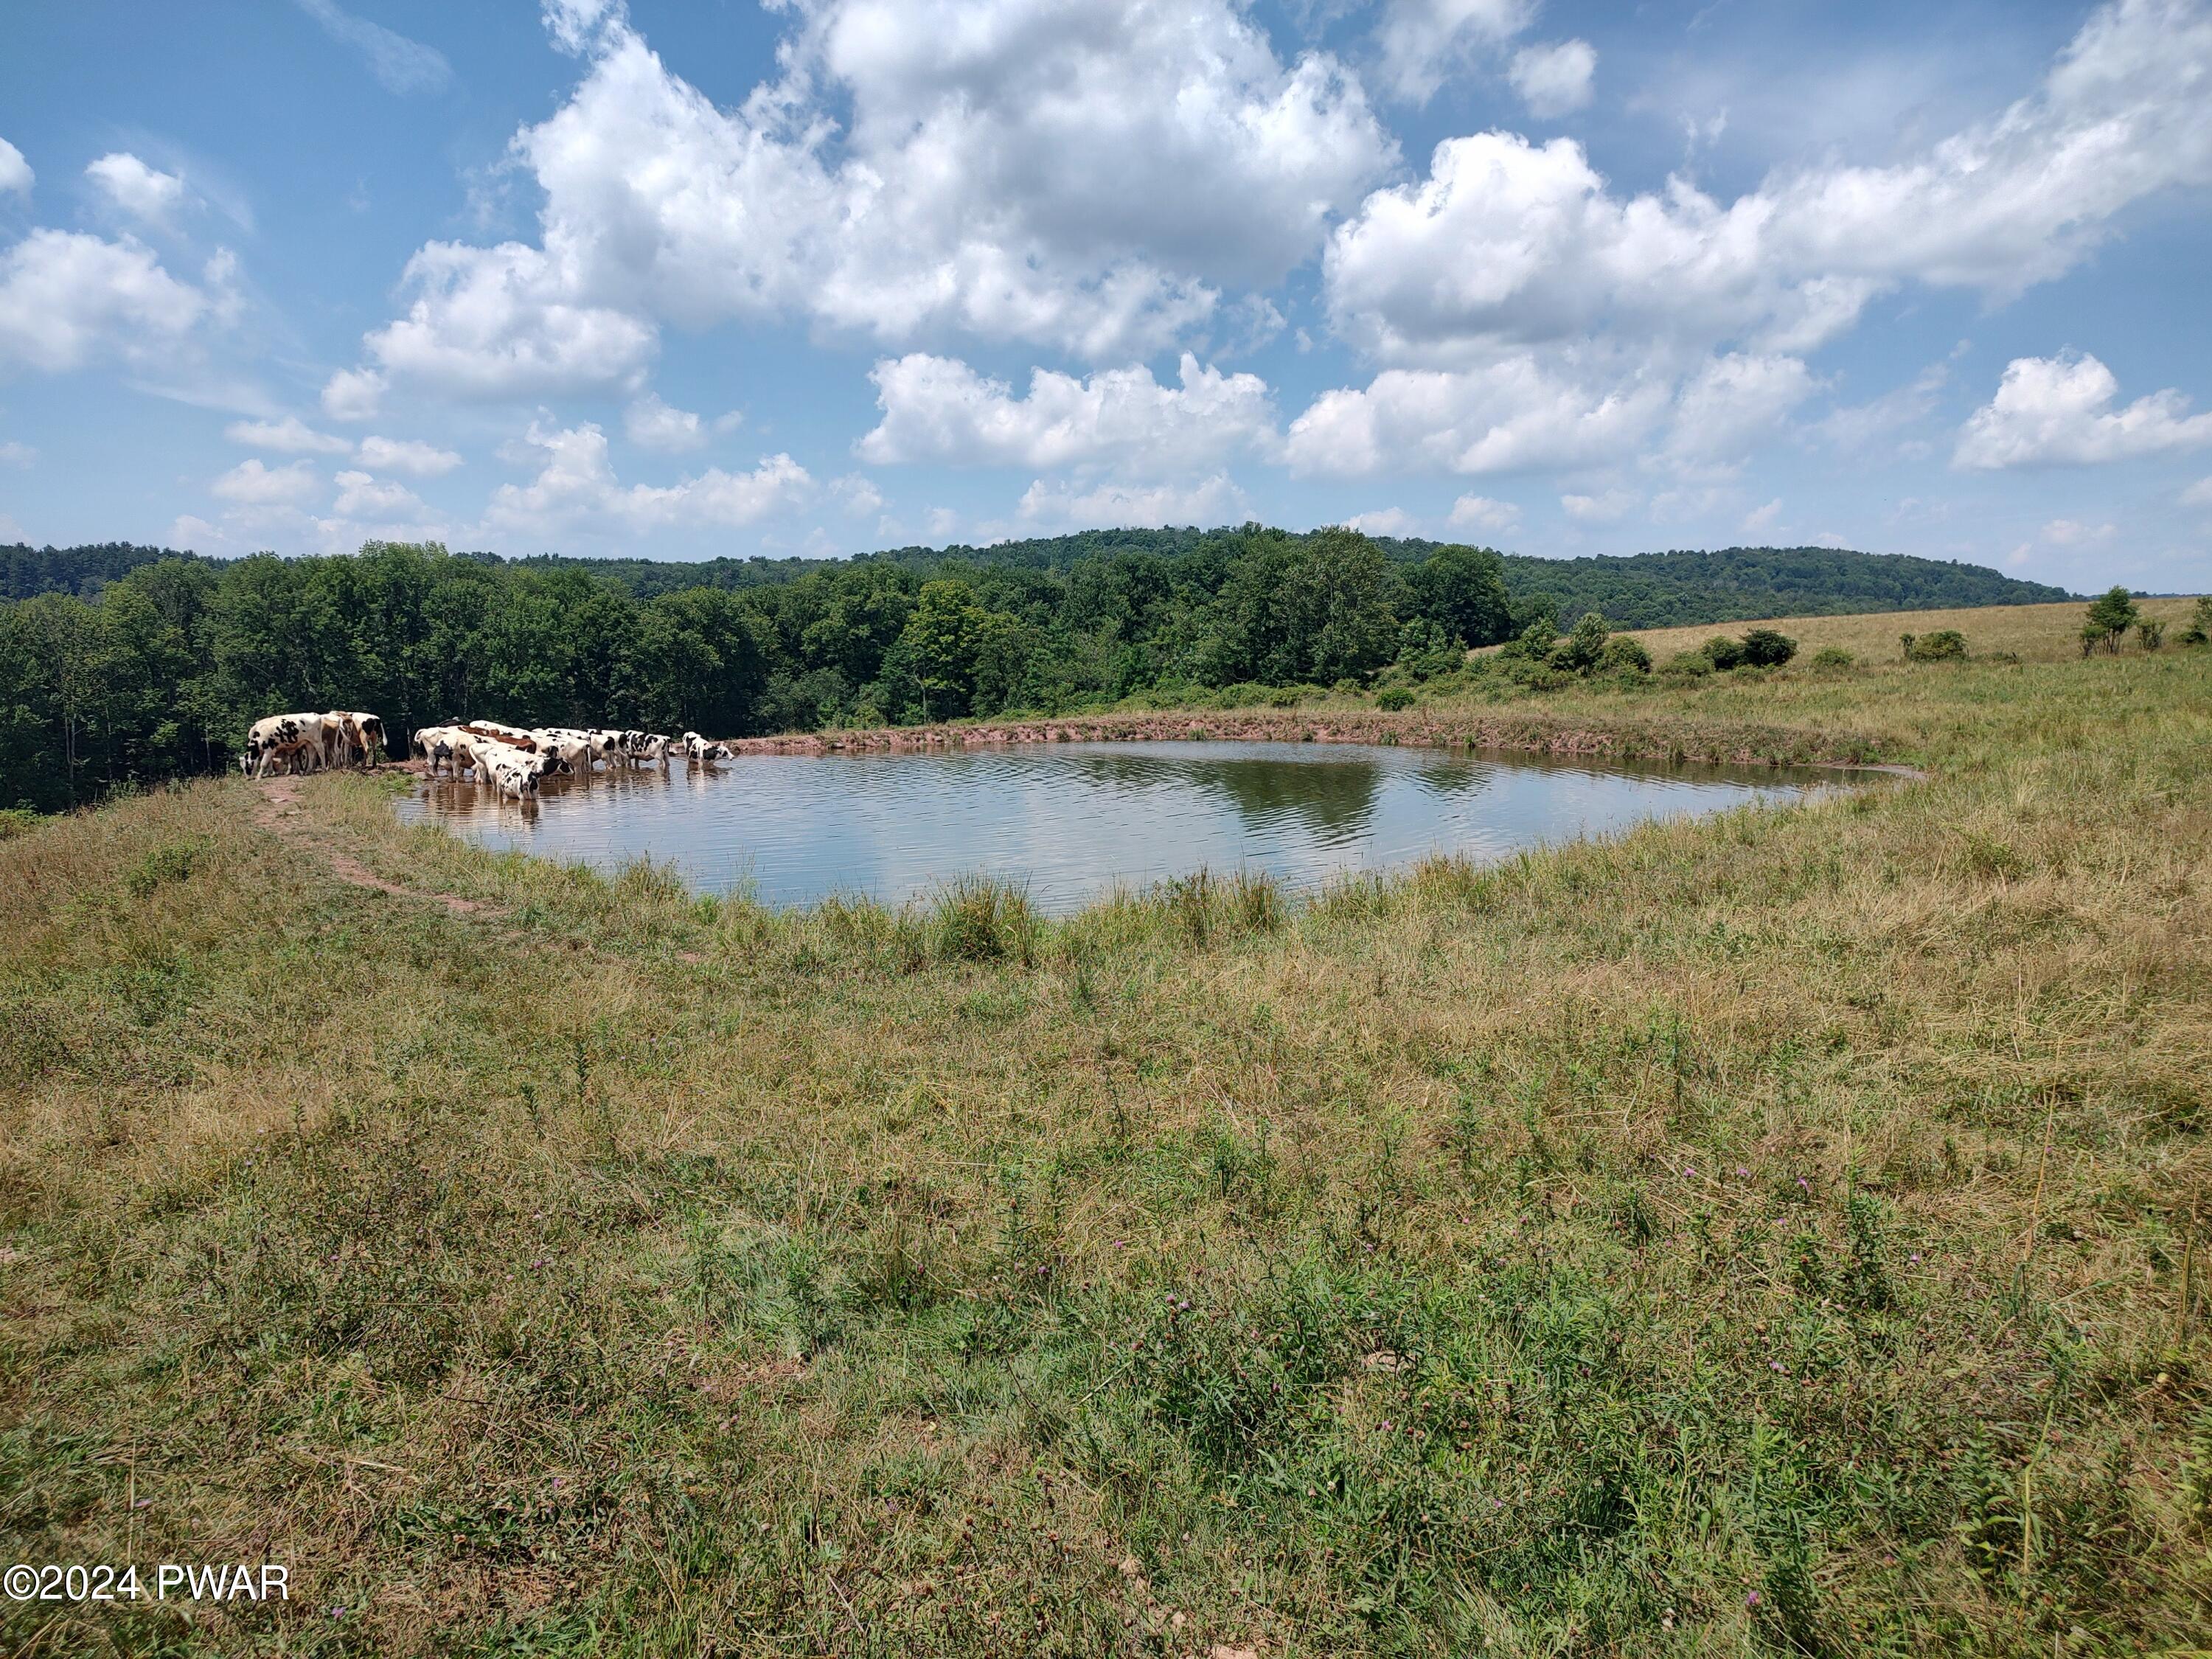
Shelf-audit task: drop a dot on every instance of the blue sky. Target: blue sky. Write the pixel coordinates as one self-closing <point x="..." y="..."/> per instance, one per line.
<point x="825" y="275"/>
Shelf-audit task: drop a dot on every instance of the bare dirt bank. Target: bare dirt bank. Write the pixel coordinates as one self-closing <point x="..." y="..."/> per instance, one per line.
<point x="1723" y="744"/>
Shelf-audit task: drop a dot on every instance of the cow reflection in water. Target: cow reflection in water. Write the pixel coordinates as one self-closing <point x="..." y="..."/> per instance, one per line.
<point x="462" y="805"/>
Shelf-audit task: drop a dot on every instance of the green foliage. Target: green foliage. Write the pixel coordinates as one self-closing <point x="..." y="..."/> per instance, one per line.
<point x="1944" y="645"/>
<point x="1393" y="698"/>
<point x="1832" y="656"/>
<point x="1462" y="591"/>
<point x="1320" y="608"/>
<point x="1724" y="653"/>
<point x="2112" y="613"/>
<point x="2150" y="633"/>
<point x="1624" y="655"/>
<point x="1583" y="647"/>
<point x="122" y="665"/>
<point x="1692" y="664"/>
<point x="2199" y="631"/>
<point x="1763" y="648"/>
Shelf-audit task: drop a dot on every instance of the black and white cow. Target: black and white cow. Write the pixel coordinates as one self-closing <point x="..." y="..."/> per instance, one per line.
<point x="512" y="771"/>
<point x="352" y="739"/>
<point x="287" y="742"/>
<point x="700" y="751"/>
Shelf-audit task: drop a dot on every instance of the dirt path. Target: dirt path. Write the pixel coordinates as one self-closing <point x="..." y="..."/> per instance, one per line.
<point x="278" y="811"/>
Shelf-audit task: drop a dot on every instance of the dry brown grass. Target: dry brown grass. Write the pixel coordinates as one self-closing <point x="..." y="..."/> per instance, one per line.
<point x="2034" y="632"/>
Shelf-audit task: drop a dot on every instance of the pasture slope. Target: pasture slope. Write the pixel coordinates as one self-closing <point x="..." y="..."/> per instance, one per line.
<point x="1787" y="1233"/>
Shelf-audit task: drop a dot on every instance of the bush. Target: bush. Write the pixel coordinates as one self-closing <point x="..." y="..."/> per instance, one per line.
<point x="1722" y="653"/>
<point x="1688" y="664"/>
<point x="16" y="821"/>
<point x="1394" y="699"/>
<point x="1765" y="648"/>
<point x="1944" y="645"/>
<point x="1832" y="656"/>
<point x="2199" y="631"/>
<point x="1623" y="655"/>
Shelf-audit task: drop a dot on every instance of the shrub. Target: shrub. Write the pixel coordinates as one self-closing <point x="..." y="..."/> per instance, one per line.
<point x="2151" y="633"/>
<point x="1944" y="645"/>
<point x="1832" y="656"/>
<point x="1623" y="655"/>
<point x="1765" y="648"/>
<point x="16" y="821"/>
<point x="1723" y="652"/>
<point x="1688" y="664"/>
<point x="1393" y="698"/>
<point x="1580" y="651"/>
<point x="2199" y="631"/>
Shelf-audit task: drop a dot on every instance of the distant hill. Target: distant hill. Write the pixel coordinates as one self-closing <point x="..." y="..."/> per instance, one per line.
<point x="1644" y="590"/>
<point x="25" y="571"/>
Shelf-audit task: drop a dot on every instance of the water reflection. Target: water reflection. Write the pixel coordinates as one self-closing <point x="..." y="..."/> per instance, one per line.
<point x="1072" y="821"/>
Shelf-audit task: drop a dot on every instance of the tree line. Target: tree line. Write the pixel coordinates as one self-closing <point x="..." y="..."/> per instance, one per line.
<point x="160" y="674"/>
<point x="1645" y="590"/>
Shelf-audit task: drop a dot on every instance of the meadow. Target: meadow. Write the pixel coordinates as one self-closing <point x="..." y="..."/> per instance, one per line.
<point x="1783" y="1232"/>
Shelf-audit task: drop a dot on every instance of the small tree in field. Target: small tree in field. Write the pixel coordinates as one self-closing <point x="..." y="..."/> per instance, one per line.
<point x="2151" y="632"/>
<point x="2112" y="613"/>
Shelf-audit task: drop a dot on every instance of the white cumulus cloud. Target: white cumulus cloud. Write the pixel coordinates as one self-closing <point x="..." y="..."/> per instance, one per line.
<point x="1214" y="501"/>
<point x="656" y="425"/>
<point x="66" y="297"/>
<point x="2058" y="411"/>
<point x="15" y="173"/>
<point x="353" y="394"/>
<point x="1554" y="79"/>
<point x="1516" y="415"/>
<point x="1421" y="43"/>
<point x="1079" y="177"/>
<point x="142" y="191"/>
<point x="576" y="489"/>
<point x="2019" y="198"/>
<point x="252" y="483"/>
<point x="409" y="455"/>
<point x="938" y="409"/>
<point x="363" y="496"/>
<point x="289" y="436"/>
<point x="1483" y="513"/>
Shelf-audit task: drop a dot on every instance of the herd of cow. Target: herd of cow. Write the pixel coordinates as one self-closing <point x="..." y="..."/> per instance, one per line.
<point x="514" y="759"/>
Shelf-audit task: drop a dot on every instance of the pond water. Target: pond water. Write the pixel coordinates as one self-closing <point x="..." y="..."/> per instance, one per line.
<point x="1073" y="820"/>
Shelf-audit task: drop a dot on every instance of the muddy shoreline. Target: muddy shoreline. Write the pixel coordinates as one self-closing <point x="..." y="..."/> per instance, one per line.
<point x="1659" y="740"/>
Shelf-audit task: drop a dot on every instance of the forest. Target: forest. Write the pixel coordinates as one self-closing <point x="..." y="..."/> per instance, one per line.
<point x="123" y="665"/>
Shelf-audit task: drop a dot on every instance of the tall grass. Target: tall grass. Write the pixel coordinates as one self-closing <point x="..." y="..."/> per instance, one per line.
<point x="1786" y="1232"/>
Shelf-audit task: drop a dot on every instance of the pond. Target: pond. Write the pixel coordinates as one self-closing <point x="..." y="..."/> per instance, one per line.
<point x="1073" y="820"/>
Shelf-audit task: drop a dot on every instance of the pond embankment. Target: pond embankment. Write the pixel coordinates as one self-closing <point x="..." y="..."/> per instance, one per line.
<point x="1675" y="740"/>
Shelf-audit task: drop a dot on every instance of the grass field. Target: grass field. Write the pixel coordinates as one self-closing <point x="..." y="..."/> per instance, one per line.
<point x="1784" y="1232"/>
<point x="2035" y="633"/>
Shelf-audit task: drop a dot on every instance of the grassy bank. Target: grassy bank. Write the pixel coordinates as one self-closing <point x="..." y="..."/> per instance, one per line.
<point x="1784" y="1232"/>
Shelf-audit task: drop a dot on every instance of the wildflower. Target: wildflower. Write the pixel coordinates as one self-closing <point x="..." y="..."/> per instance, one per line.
<point x="1742" y="1174"/>
<point x="1751" y="1599"/>
<point x="1779" y="1366"/>
<point x="1689" y="1169"/>
<point x="1916" y="1258"/>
